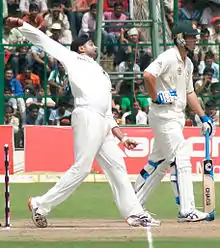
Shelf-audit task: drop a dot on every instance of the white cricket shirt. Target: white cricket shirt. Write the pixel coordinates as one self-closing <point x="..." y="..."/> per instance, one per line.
<point x="172" y="73"/>
<point x="90" y="84"/>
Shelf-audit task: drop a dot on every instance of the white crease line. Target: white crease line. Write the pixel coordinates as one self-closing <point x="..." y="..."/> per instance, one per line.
<point x="74" y="228"/>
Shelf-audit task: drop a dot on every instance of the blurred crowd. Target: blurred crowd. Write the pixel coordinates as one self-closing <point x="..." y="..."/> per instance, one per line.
<point x="37" y="90"/>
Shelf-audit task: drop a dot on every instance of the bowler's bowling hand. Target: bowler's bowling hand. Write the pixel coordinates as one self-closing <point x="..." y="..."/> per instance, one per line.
<point x="129" y="143"/>
<point x="13" y="22"/>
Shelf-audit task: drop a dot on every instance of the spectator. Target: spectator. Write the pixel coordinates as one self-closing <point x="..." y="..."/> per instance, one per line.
<point x="129" y="120"/>
<point x="21" y="59"/>
<point x="34" y="17"/>
<point x="44" y="103"/>
<point x="58" y="81"/>
<point x="201" y="51"/>
<point x="126" y="98"/>
<point x="83" y="6"/>
<point x="56" y="15"/>
<point x="75" y="10"/>
<point x="13" y="83"/>
<point x="209" y="63"/>
<point x="33" y="117"/>
<point x="129" y="66"/>
<point x="139" y="115"/>
<point x="202" y="86"/>
<point x="39" y="62"/>
<point x="211" y="110"/>
<point x="89" y="23"/>
<point x="61" y="114"/>
<point x="111" y="35"/>
<point x="7" y="56"/>
<point x="25" y="5"/>
<point x="190" y="118"/>
<point x="115" y="15"/>
<point x="216" y="29"/>
<point x="40" y="99"/>
<point x="58" y="34"/>
<point x="27" y="77"/>
<point x="11" y="120"/>
<point x="169" y="17"/>
<point x="115" y="113"/>
<point x="130" y="37"/>
<point x="126" y="66"/>
<point x="215" y="93"/>
<point x="13" y="7"/>
<point x="16" y="91"/>
<point x="189" y="11"/>
<point x="109" y="5"/>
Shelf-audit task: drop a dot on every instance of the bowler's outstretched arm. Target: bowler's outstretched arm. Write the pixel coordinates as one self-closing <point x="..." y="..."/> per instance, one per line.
<point x="38" y="38"/>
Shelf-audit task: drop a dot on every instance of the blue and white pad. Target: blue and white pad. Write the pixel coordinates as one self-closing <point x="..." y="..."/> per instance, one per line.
<point x="149" y="178"/>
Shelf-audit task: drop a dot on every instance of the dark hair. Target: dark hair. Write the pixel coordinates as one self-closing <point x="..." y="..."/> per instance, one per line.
<point x="7" y="107"/>
<point x="207" y="70"/>
<point x="33" y="106"/>
<point x="209" y="55"/>
<point x="138" y="100"/>
<point x="214" y="86"/>
<point x="7" y="89"/>
<point x="92" y="6"/>
<point x="118" y="4"/>
<point x="205" y="31"/>
<point x="115" y="110"/>
<point x="34" y="7"/>
<point x="8" y="69"/>
<point x="55" y="5"/>
<point x="128" y="118"/>
<point x="211" y="104"/>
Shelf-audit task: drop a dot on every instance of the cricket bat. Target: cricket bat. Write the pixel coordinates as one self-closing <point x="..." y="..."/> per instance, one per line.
<point x="208" y="182"/>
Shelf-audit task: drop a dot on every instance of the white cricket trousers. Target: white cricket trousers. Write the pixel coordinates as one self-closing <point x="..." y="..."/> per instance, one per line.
<point x="169" y="149"/>
<point x="93" y="139"/>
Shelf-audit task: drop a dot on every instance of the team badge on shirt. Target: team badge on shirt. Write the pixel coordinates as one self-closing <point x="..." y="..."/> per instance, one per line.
<point x="179" y="70"/>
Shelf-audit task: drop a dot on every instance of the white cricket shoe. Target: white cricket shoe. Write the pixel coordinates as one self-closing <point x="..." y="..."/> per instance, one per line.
<point x="193" y="216"/>
<point x="144" y="220"/>
<point x="38" y="219"/>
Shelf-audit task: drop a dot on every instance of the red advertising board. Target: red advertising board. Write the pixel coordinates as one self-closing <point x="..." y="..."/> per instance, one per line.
<point x="6" y="137"/>
<point x="50" y="149"/>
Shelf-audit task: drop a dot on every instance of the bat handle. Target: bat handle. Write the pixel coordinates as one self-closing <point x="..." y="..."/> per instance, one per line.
<point x="207" y="153"/>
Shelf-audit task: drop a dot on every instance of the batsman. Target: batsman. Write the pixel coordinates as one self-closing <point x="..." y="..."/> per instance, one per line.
<point x="168" y="81"/>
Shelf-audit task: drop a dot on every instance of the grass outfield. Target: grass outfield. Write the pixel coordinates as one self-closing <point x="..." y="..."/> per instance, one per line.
<point x="90" y="199"/>
<point x="95" y="201"/>
<point x="191" y="243"/>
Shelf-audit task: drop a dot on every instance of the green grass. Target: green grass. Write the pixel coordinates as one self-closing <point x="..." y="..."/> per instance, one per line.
<point x="94" y="200"/>
<point x="165" y="243"/>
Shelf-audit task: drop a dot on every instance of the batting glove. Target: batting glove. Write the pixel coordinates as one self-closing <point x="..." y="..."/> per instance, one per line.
<point x="167" y="96"/>
<point x="208" y="124"/>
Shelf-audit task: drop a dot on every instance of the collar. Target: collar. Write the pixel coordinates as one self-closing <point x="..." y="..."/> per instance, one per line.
<point x="178" y="54"/>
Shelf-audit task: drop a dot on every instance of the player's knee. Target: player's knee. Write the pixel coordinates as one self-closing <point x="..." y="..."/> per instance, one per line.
<point x="80" y="169"/>
<point x="183" y="155"/>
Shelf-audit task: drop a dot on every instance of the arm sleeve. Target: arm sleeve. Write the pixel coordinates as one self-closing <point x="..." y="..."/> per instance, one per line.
<point x="50" y="46"/>
<point x="85" y="24"/>
<point x="19" y="91"/>
<point x="190" y="87"/>
<point x="24" y="6"/>
<point x="158" y="66"/>
<point x="52" y="116"/>
<point x="109" y="115"/>
<point x="66" y="23"/>
<point x="43" y="5"/>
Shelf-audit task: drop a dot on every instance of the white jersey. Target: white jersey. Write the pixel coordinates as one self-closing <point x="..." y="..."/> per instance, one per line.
<point x="172" y="73"/>
<point x="90" y="84"/>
